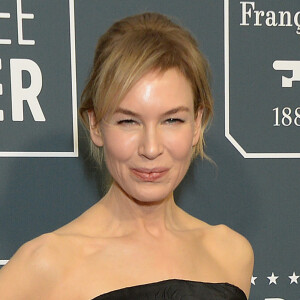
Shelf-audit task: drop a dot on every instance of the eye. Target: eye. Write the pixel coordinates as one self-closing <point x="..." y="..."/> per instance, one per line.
<point x="174" y="121"/>
<point x="127" y="122"/>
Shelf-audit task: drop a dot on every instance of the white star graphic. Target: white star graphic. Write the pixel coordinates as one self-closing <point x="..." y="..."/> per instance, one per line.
<point x="294" y="278"/>
<point x="273" y="279"/>
<point x="253" y="278"/>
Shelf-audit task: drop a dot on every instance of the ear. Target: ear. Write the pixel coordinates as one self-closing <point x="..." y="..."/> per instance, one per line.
<point x="95" y="131"/>
<point x="197" y="127"/>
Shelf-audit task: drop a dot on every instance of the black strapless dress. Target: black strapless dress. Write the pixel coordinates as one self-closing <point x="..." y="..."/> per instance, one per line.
<point x="177" y="289"/>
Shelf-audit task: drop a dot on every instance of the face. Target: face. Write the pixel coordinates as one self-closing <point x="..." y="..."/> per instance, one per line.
<point x="148" y="140"/>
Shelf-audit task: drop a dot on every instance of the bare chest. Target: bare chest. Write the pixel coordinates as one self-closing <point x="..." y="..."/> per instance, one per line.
<point x="118" y="265"/>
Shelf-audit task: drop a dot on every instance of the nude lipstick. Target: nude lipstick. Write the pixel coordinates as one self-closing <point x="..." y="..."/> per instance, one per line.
<point x="149" y="175"/>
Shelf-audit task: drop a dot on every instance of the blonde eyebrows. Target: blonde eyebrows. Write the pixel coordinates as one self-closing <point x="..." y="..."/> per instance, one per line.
<point x="176" y="110"/>
<point x="169" y="112"/>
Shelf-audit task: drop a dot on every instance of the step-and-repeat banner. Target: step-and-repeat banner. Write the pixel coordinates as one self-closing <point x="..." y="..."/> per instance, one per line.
<point x="47" y="178"/>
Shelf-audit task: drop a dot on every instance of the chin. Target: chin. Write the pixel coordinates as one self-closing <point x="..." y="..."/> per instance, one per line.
<point x="151" y="195"/>
<point x="147" y="192"/>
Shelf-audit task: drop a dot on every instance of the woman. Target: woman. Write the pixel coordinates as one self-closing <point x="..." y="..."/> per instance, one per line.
<point x="146" y="106"/>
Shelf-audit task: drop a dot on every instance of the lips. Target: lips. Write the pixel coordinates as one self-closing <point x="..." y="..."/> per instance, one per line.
<point x="149" y="174"/>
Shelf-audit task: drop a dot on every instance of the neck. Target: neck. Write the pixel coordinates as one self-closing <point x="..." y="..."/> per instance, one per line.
<point x="125" y="215"/>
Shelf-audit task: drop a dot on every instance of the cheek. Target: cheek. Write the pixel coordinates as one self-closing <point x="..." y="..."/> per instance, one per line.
<point x="119" y="146"/>
<point x="179" y="144"/>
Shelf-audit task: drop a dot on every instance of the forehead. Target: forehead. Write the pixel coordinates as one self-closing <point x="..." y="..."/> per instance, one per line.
<point x="159" y="90"/>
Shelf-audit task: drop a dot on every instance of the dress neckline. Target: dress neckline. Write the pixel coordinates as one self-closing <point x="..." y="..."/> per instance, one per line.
<point x="164" y="281"/>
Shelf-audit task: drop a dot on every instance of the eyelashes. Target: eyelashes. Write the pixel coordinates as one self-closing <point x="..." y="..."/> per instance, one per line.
<point x="129" y="122"/>
<point x="174" y="121"/>
<point x="126" y="122"/>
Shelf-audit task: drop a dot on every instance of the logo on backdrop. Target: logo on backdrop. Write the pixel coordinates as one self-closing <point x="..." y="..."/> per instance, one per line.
<point x="262" y="78"/>
<point x="271" y="18"/>
<point x="288" y="65"/>
<point x="37" y="79"/>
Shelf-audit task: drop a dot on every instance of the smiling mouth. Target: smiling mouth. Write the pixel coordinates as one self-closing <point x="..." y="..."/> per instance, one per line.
<point x="149" y="175"/>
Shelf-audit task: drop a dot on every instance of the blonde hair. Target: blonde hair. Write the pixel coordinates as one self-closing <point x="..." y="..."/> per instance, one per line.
<point x="133" y="47"/>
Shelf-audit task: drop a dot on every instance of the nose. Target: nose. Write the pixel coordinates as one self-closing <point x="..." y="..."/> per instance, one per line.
<point x="150" y="145"/>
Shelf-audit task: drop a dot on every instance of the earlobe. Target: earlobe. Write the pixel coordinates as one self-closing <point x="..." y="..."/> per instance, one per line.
<point x="197" y="128"/>
<point x="95" y="131"/>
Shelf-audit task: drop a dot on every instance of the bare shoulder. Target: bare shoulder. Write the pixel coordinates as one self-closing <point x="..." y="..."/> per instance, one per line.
<point x="33" y="265"/>
<point x="231" y="241"/>
<point x="234" y="253"/>
<point x="228" y="247"/>
<point x="35" y="253"/>
<point x="229" y="253"/>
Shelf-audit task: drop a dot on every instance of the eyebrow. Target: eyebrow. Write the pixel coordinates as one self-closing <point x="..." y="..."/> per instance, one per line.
<point x="169" y="112"/>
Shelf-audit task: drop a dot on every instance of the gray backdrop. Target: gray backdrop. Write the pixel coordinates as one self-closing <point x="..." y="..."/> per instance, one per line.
<point x="254" y="54"/>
